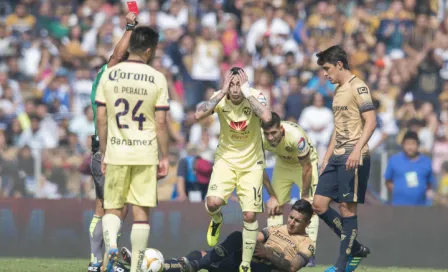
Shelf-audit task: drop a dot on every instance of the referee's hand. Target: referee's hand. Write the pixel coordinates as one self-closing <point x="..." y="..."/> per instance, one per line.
<point x="131" y="18"/>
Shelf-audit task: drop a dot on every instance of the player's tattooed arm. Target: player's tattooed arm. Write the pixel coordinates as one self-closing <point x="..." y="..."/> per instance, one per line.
<point x="263" y="112"/>
<point x="268" y="254"/>
<point x="206" y="109"/>
<point x="300" y="261"/>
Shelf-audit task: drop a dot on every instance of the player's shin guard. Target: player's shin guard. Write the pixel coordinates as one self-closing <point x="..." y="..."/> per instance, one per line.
<point x="313" y="228"/>
<point x="139" y="241"/>
<point x="250" y="232"/>
<point x="111" y="226"/>
<point x="334" y="221"/>
<point x="96" y="239"/>
<point x="348" y="237"/>
<point x="275" y="220"/>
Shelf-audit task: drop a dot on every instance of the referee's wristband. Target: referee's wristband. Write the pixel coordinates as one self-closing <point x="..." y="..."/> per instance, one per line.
<point x="130" y="27"/>
<point x="245" y="89"/>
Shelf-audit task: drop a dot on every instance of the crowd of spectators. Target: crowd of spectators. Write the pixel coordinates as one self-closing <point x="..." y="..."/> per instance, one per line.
<point x="50" y="52"/>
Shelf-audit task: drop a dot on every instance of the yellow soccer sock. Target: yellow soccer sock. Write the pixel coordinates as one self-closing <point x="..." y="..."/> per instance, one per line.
<point x="275" y="220"/>
<point x="250" y="233"/>
<point x="313" y="228"/>
<point x="111" y="226"/>
<point x="139" y="241"/>
<point x="216" y="215"/>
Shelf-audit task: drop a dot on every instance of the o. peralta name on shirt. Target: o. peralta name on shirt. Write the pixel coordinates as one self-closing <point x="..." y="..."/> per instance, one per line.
<point x="116" y="75"/>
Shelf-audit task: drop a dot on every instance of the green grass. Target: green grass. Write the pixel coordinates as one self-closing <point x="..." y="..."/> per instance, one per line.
<point x="75" y="265"/>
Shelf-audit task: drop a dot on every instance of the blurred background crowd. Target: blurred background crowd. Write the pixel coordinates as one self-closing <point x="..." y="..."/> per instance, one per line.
<point x="51" y="50"/>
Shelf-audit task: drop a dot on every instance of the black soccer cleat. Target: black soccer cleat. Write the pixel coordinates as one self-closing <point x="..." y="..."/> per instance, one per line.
<point x="120" y="267"/>
<point x="362" y="252"/>
<point x="355" y="259"/>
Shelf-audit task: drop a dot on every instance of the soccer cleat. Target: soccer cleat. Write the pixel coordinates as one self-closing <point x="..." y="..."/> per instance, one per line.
<point x="311" y="262"/>
<point x="113" y="257"/>
<point x="245" y="268"/>
<point x="95" y="267"/>
<point x="332" y="269"/>
<point x="126" y="255"/>
<point x="214" y="229"/>
<point x="355" y="259"/>
<point x="186" y="266"/>
<point x="119" y="267"/>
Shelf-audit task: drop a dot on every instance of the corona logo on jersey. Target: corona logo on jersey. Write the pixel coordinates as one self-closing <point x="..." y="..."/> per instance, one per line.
<point x="238" y="126"/>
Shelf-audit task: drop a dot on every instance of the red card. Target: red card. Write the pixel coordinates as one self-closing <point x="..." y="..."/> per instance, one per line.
<point x="132" y="6"/>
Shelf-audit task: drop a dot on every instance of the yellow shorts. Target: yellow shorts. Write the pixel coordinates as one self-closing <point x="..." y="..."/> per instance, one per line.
<point x="133" y="184"/>
<point x="285" y="176"/>
<point x="248" y="184"/>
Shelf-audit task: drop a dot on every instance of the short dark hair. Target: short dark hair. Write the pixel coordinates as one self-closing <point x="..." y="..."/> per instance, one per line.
<point x="275" y="122"/>
<point x="304" y="207"/>
<point x="411" y="135"/>
<point x="332" y="55"/>
<point x="142" y="38"/>
<point x="235" y="70"/>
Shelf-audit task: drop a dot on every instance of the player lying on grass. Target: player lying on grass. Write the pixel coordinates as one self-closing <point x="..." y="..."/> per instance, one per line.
<point x="280" y="248"/>
<point x="96" y="230"/>
<point x="296" y="162"/>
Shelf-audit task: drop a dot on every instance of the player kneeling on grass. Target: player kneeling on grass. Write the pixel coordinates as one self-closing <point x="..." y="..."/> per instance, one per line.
<point x="296" y="162"/>
<point x="280" y="248"/>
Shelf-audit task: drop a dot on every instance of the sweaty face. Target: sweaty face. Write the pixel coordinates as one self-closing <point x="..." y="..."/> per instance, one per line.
<point x="331" y="72"/>
<point x="410" y="148"/>
<point x="235" y="94"/>
<point x="273" y="135"/>
<point x="297" y="222"/>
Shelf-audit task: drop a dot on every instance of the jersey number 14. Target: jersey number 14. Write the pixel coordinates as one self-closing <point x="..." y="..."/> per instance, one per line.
<point x="140" y="118"/>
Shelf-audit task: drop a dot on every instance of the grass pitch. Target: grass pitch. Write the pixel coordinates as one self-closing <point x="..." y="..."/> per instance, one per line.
<point x="80" y="265"/>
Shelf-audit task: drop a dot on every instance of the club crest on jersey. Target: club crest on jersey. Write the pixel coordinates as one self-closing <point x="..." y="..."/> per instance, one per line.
<point x="288" y="148"/>
<point x="363" y="90"/>
<point x="238" y="126"/>
<point x="247" y="111"/>
<point x="301" y="144"/>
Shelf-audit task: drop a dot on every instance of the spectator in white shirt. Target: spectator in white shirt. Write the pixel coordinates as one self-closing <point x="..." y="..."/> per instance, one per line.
<point x="317" y="120"/>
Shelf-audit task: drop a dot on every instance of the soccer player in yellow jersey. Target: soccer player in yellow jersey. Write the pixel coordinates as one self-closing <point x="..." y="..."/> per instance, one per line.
<point x="239" y="160"/>
<point x="131" y="118"/>
<point x="296" y="162"/>
<point x="346" y="165"/>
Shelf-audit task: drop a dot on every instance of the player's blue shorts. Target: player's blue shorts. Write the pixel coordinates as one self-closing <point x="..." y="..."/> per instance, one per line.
<point x="342" y="185"/>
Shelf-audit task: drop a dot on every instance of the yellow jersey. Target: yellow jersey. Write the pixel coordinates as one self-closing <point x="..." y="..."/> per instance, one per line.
<point x="295" y="145"/>
<point x="132" y="92"/>
<point x="240" y="142"/>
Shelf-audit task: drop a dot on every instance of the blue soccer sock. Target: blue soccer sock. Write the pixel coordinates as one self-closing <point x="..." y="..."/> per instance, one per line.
<point x="335" y="222"/>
